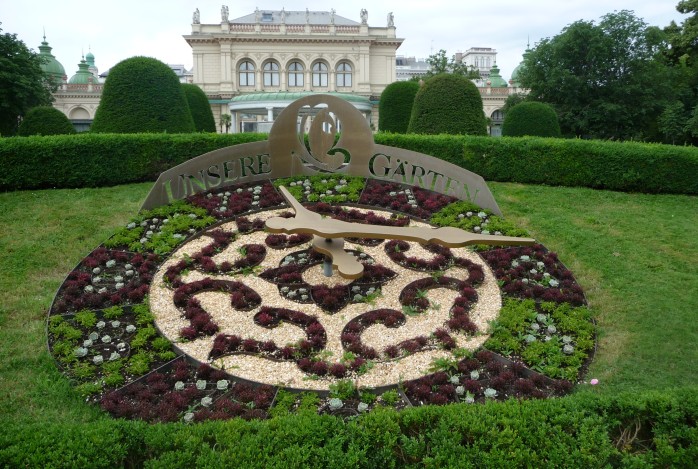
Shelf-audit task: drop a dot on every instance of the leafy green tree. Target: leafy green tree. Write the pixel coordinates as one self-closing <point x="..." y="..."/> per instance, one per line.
<point x="45" y="120"/>
<point x="142" y="94"/>
<point x="200" y="108"/>
<point x="531" y="118"/>
<point x="605" y="80"/>
<point x="395" y="107"/>
<point x="672" y="123"/>
<point x="449" y="104"/>
<point x="23" y="84"/>
<point x="512" y="100"/>
<point x="226" y="121"/>
<point x="439" y="63"/>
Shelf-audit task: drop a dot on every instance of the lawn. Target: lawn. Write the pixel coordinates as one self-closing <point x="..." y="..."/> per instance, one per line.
<point x="634" y="255"/>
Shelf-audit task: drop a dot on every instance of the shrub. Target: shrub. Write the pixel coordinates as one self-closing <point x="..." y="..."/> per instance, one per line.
<point x="448" y="104"/>
<point x="395" y="107"/>
<point x="200" y="108"/>
<point x="531" y="118"/>
<point x="142" y="94"/>
<point x="93" y="160"/>
<point x="45" y="120"/>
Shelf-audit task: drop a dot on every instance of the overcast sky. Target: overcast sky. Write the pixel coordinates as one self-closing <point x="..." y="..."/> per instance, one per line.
<point x="114" y="31"/>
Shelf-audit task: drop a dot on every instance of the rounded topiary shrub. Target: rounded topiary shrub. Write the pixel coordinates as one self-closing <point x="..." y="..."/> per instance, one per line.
<point x="142" y="94"/>
<point x="448" y="104"/>
<point x="45" y="120"/>
<point x="395" y="107"/>
<point x="200" y="108"/>
<point x="531" y="118"/>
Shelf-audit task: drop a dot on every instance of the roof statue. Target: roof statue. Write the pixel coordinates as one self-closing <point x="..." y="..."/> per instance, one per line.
<point x="257" y="15"/>
<point x="364" y="16"/>
<point x="196" y="19"/>
<point x="307" y="16"/>
<point x="224" y="13"/>
<point x="283" y="15"/>
<point x="391" y="20"/>
<point x="332" y="12"/>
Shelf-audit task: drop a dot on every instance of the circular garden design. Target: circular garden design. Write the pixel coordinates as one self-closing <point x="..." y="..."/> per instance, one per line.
<point x="192" y="311"/>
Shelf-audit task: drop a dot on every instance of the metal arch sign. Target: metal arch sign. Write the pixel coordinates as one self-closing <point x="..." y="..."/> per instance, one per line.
<point x="285" y="154"/>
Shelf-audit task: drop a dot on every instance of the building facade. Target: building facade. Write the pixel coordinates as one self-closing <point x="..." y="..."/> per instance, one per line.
<point x="251" y="67"/>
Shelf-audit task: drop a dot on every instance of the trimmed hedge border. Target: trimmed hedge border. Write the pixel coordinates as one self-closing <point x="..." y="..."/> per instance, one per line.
<point x="96" y="160"/>
<point x="618" y="166"/>
<point x="93" y="160"/>
<point x="651" y="429"/>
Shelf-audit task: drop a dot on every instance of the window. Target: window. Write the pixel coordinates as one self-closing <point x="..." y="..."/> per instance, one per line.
<point x="246" y="73"/>
<point x="271" y="74"/>
<point x="319" y="74"/>
<point x="295" y="74"/>
<point x="344" y="74"/>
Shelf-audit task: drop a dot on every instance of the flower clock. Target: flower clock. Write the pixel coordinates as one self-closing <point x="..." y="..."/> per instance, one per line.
<point x="360" y="293"/>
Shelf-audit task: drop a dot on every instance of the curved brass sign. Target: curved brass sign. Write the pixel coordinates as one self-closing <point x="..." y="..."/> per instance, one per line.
<point x="285" y="154"/>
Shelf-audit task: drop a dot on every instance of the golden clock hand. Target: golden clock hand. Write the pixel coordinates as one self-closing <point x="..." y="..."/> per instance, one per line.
<point x="306" y="221"/>
<point x="304" y="217"/>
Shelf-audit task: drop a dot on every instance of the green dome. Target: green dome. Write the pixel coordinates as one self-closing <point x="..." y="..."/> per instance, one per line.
<point x="495" y="79"/>
<point x="83" y="75"/>
<point x="90" y="59"/>
<point x="51" y="66"/>
<point x="515" y="74"/>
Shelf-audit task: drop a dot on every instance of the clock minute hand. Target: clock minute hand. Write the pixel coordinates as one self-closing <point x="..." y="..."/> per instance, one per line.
<point x="306" y="221"/>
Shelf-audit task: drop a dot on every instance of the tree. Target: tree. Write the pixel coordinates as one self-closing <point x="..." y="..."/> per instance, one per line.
<point x="395" y="107"/>
<point x="439" y="63"/>
<point x="512" y="100"/>
<point x="200" y="108"/>
<point x="449" y="104"/>
<point x="226" y="120"/>
<point x="605" y="81"/>
<point x="142" y="94"/>
<point x="23" y="84"/>
<point x="531" y="118"/>
<point x="45" y="120"/>
<point x="672" y="123"/>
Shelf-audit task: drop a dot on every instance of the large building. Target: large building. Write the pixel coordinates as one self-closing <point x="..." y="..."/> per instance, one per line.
<point x="253" y="66"/>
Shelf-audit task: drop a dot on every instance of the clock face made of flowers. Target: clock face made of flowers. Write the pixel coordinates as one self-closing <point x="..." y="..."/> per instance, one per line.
<point x="243" y="311"/>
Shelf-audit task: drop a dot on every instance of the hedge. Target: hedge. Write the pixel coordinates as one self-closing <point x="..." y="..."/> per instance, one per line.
<point x="95" y="160"/>
<point x="90" y="160"/>
<point x="652" y="429"/>
<point x="619" y="166"/>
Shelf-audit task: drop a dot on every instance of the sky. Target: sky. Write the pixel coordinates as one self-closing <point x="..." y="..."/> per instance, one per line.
<point x="114" y="31"/>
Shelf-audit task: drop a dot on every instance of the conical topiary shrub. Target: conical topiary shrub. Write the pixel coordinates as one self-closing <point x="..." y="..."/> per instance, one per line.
<point x="45" y="120"/>
<point x="200" y="108"/>
<point x="448" y="104"/>
<point x="531" y="118"/>
<point x="142" y="94"/>
<point x="395" y="107"/>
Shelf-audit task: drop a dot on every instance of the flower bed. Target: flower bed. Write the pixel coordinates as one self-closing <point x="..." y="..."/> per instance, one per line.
<point x="256" y="307"/>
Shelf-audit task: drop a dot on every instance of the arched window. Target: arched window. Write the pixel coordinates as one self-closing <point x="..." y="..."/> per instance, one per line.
<point x="271" y="74"/>
<point x="246" y="73"/>
<point x="319" y="74"/>
<point x="295" y="74"/>
<point x="344" y="74"/>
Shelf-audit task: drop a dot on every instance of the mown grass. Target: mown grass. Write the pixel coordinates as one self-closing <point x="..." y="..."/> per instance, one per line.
<point x="635" y="255"/>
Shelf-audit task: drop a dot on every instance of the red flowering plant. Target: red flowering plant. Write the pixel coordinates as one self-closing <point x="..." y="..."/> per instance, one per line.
<point x="534" y="272"/>
<point x="414" y="201"/>
<point x="106" y="278"/>
<point x="228" y="202"/>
